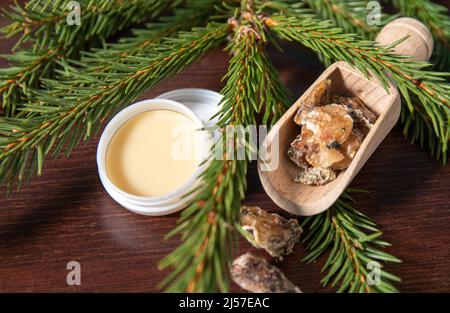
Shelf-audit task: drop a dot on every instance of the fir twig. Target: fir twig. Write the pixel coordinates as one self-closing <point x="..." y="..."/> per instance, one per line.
<point x="417" y="125"/>
<point x="43" y="23"/>
<point x="412" y="78"/>
<point x="25" y="142"/>
<point x="418" y="128"/>
<point x="437" y="18"/>
<point x="354" y="260"/>
<point x="208" y="226"/>
<point x="350" y="15"/>
<point x="88" y="91"/>
<point x="196" y="13"/>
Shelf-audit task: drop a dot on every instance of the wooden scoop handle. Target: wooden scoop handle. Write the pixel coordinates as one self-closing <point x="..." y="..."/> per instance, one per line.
<point x="419" y="44"/>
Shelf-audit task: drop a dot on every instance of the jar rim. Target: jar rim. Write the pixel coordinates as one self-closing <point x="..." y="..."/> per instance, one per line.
<point x="124" y="116"/>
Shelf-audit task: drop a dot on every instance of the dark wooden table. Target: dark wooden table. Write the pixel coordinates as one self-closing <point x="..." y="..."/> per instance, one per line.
<point x="66" y="215"/>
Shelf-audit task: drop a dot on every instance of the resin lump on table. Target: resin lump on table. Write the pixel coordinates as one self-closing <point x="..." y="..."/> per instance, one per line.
<point x="255" y="274"/>
<point x="270" y="231"/>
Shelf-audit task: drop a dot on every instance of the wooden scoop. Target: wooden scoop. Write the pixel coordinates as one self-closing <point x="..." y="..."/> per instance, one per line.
<point x="278" y="179"/>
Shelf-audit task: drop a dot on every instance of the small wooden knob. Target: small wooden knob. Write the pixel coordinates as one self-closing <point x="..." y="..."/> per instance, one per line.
<point x="418" y="45"/>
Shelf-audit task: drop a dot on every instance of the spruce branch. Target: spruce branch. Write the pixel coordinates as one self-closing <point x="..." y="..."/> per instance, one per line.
<point x="437" y="18"/>
<point x="353" y="253"/>
<point x="350" y="15"/>
<point x="418" y="128"/>
<point x="195" y="13"/>
<point x="209" y="226"/>
<point x="45" y="26"/>
<point x="416" y="125"/>
<point x="28" y="67"/>
<point x="45" y="21"/>
<point x="412" y="78"/>
<point x="74" y="117"/>
<point x="87" y="91"/>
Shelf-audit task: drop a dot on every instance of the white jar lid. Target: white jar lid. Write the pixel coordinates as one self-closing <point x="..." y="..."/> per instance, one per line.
<point x="203" y="104"/>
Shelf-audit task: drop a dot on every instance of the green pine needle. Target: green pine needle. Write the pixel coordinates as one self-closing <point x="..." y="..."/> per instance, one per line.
<point x="413" y="79"/>
<point x="209" y="226"/>
<point x="355" y="261"/>
<point x="57" y="96"/>
<point x="63" y="115"/>
<point x="44" y="25"/>
<point x="350" y="15"/>
<point x="437" y="18"/>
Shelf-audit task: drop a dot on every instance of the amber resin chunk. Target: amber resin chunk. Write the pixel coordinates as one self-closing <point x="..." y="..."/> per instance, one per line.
<point x="329" y="123"/>
<point x="296" y="153"/>
<point x="324" y="130"/>
<point x="332" y="130"/>
<point x="349" y="149"/>
<point x="270" y="231"/>
<point x="315" y="176"/>
<point x="319" y="95"/>
<point x="355" y="104"/>
<point x="255" y="274"/>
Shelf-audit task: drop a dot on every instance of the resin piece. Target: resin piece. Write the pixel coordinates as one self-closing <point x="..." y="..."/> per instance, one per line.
<point x="349" y="149"/>
<point x="324" y="130"/>
<point x="305" y="142"/>
<point x="355" y="104"/>
<point x="255" y="274"/>
<point x="325" y="157"/>
<point x="329" y="123"/>
<point x="318" y="96"/>
<point x="332" y="130"/>
<point x="363" y="117"/>
<point x="315" y="176"/>
<point x="269" y="231"/>
<point x="296" y="154"/>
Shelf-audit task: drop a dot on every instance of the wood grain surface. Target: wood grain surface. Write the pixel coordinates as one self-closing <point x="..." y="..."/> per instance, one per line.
<point x="66" y="215"/>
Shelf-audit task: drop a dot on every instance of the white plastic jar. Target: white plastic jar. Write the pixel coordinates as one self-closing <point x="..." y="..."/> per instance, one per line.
<point x="154" y="205"/>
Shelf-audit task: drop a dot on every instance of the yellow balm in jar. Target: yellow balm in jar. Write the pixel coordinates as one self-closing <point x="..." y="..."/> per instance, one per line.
<point x="151" y="154"/>
<point x="154" y="153"/>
